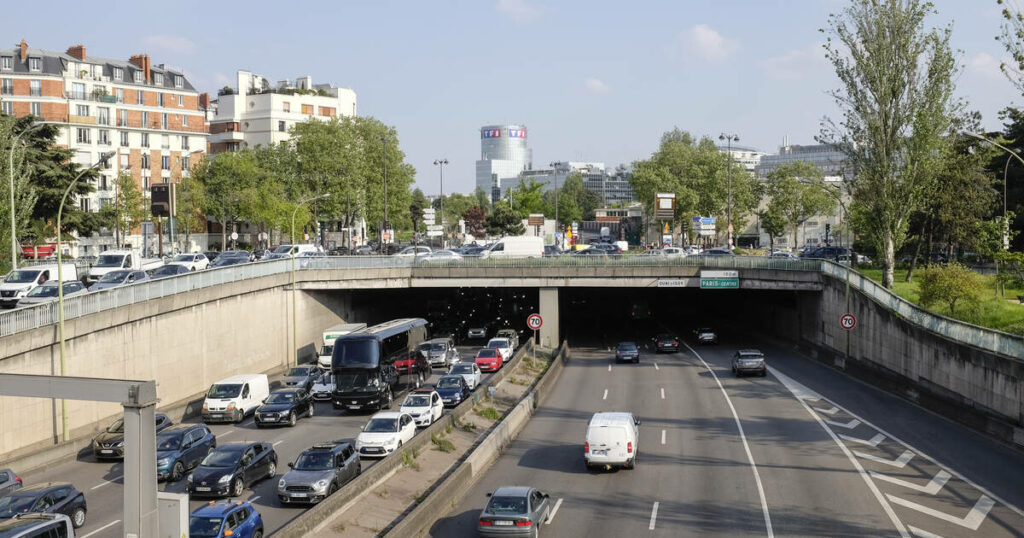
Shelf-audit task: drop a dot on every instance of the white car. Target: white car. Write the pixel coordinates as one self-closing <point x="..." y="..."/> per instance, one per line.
<point x="323" y="387"/>
<point x="195" y="262"/>
<point x="424" y="406"/>
<point x="385" y="433"/>
<point x="415" y="251"/>
<point x="469" y="371"/>
<point x="674" y="252"/>
<point x="504" y="346"/>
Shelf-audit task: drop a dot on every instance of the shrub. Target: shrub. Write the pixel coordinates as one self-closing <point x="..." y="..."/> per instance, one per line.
<point x="952" y="286"/>
<point x="490" y="413"/>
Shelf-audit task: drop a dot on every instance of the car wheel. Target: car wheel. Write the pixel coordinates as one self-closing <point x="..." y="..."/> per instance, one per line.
<point x="533" y="533"/>
<point x="291" y="419"/>
<point x="631" y="464"/>
<point x="176" y="471"/>
<point x="272" y="469"/>
<point x="239" y="416"/>
<point x="258" y="533"/>
<point x="636" y="360"/>
<point x="78" y="517"/>
<point x="764" y="373"/>
<point x="332" y="489"/>
<point x="312" y="409"/>
<point x="237" y="487"/>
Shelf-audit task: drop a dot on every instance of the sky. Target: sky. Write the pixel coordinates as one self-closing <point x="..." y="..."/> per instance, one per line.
<point x="592" y="80"/>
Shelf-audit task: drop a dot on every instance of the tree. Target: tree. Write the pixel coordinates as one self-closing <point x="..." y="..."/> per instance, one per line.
<point x="798" y="192"/>
<point x="951" y="286"/>
<point x="225" y="176"/>
<point x="24" y="193"/>
<point x="773" y="222"/>
<point x="896" y="94"/>
<point x="416" y="207"/>
<point x="503" y="221"/>
<point x="528" y="198"/>
<point x="475" y="218"/>
<point x="1012" y="38"/>
<point x="128" y="209"/>
<point x="190" y="208"/>
<point x="483" y="200"/>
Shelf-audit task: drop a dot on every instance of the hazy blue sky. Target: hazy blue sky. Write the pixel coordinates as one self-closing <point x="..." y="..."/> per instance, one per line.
<point x="591" y="79"/>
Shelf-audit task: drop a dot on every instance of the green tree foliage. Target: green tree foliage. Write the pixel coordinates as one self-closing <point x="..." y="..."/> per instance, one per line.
<point x="416" y="207"/>
<point x="455" y="205"/>
<point x="798" y="192"/>
<point x="475" y="218"/>
<point x="503" y="221"/>
<point x="952" y="286"/>
<point x="896" y="95"/>
<point x="483" y="199"/>
<point x="24" y="193"/>
<point x="128" y="209"/>
<point x="1011" y="268"/>
<point x="191" y="203"/>
<point x="1013" y="138"/>
<point x="575" y="202"/>
<point x="528" y="198"/>
<point x="1012" y="37"/>
<point x="773" y="222"/>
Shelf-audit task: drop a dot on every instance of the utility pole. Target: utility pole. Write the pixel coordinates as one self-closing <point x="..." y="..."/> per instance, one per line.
<point x="440" y="166"/>
<point x="384" y="161"/>
<point x="729" y="138"/>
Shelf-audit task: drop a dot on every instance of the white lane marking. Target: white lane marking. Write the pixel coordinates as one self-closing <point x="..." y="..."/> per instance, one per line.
<point x="107" y="482"/>
<point x="898" y="463"/>
<point x="605" y="397"/>
<point x="662" y="436"/>
<point x="848" y="425"/>
<point x="278" y="442"/>
<point x="873" y="442"/>
<point x="931" y="488"/>
<point x="654" y="516"/>
<point x="656" y="366"/>
<point x="229" y="432"/>
<point x="111" y="524"/>
<point x="971" y="521"/>
<point x="551" y="516"/>
<point x="254" y="499"/>
<point x="829" y="412"/>
<point x="663" y="393"/>
<point x="921" y="533"/>
<point x="609" y="368"/>
<point x="746" y="447"/>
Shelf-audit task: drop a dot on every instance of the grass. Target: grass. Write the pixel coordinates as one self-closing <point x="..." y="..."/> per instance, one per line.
<point x="409" y="460"/>
<point x="468" y="427"/>
<point x="489" y="412"/>
<point x="442" y="444"/>
<point x="995" y="311"/>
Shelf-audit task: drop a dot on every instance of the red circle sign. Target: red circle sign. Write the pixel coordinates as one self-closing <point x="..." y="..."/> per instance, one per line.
<point x="847" y="321"/>
<point x="534" y="321"/>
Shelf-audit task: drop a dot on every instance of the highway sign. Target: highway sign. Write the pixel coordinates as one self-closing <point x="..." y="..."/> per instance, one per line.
<point x="534" y="321"/>
<point x="719" y="280"/>
<point x="665" y="208"/>
<point x="536" y="219"/>
<point x="433" y="233"/>
<point x="848" y="321"/>
<point x="434" y="228"/>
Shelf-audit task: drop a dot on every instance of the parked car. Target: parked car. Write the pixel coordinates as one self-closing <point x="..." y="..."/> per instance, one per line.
<point x="110" y="442"/>
<point x="181" y="448"/>
<point x="469" y="371"/>
<point x="747" y="361"/>
<point x="48" y="498"/>
<point x="284" y="407"/>
<point x="225" y="261"/>
<point x="318" y="472"/>
<point x="514" y="511"/>
<point x="512" y="336"/>
<point x="47" y="292"/>
<point x="363" y="250"/>
<point x="36" y="525"/>
<point x="301" y="376"/>
<point x="231" y="468"/>
<point x="722" y="251"/>
<point x="666" y="342"/>
<point x="589" y="252"/>
<point x="552" y="251"/>
<point x="237" y="519"/>
<point x="385" y="433"/>
<point x="611" y="249"/>
<point x="194" y="262"/>
<point x="424" y="406"/>
<point x="706" y="335"/>
<point x="232" y="399"/>
<point x="611" y="440"/>
<point x="504" y="347"/>
<point x="627" y="351"/>
<point x="440" y="352"/>
<point x="170" y="269"/>
<point x="488" y="359"/>
<point x="323" y="387"/>
<point x="453" y="389"/>
<point x="9" y="481"/>
<point x="653" y="253"/>
<point x="781" y="255"/>
<point x="120" y="277"/>
<point x="526" y="246"/>
<point x="212" y="255"/>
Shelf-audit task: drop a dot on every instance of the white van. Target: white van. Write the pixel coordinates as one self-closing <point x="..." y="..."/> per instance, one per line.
<point x="231" y="399"/>
<point x="515" y="247"/>
<point x="19" y="282"/>
<point x="323" y="359"/>
<point x="611" y="440"/>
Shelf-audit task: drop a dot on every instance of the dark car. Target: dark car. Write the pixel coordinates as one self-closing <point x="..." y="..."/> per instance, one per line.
<point x="552" y="251"/>
<point x="319" y="471"/>
<point x="363" y="250"/>
<point x="211" y="255"/>
<point x="301" y="376"/>
<point x="49" y="498"/>
<point x="627" y="351"/>
<point x="231" y="468"/>
<point x="590" y="252"/>
<point x="611" y="249"/>
<point x="225" y="261"/>
<point x="415" y="365"/>
<point x="706" y="335"/>
<point x="284" y="407"/>
<point x="110" y="442"/>
<point x="180" y="448"/>
<point x="225" y="518"/>
<point x="171" y="269"/>
<point x="666" y="343"/>
<point x="717" y="252"/>
<point x="514" y="511"/>
<point x="453" y="389"/>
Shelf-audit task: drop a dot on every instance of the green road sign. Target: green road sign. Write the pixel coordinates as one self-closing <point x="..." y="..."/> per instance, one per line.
<point x="719" y="280"/>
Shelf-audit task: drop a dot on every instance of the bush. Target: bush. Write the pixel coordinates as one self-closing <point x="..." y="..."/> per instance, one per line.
<point x="442" y="444"/>
<point x="952" y="286"/>
<point x="490" y="413"/>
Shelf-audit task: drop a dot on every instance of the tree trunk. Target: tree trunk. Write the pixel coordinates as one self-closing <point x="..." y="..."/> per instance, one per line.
<point x="223" y="233"/>
<point x="889" y="260"/>
<point x="917" y="250"/>
<point x="796" y="228"/>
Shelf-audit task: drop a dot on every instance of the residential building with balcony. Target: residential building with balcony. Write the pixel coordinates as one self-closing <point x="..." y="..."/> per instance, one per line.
<point x="149" y="115"/>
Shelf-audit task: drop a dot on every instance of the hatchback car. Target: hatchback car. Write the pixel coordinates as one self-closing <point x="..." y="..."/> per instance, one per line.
<point x="114" y="279"/>
<point x="514" y="511"/>
<point x="424" y="406"/>
<point x="237" y="519"/>
<point x="47" y="292"/>
<point x="170" y="269"/>
<point x="110" y="442"/>
<point x="627" y="351"/>
<point x="9" y="481"/>
<point x="488" y="359"/>
<point x="504" y="347"/>
<point x="284" y="407"/>
<point x="440" y="352"/>
<point x="231" y="468"/>
<point x="668" y="343"/>
<point x="469" y="371"/>
<point x="301" y="376"/>
<point x="453" y="389"/>
<point x="180" y="448"/>
<point x="48" y="497"/>
<point x="194" y="262"/>
<point x="749" y="361"/>
<point x="319" y="471"/>
<point x="323" y="387"/>
<point x="476" y="332"/>
<point x="385" y="433"/>
<point x="511" y="334"/>
<point x="706" y="335"/>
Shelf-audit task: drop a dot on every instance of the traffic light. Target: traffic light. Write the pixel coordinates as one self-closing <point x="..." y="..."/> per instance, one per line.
<point x="828" y="230"/>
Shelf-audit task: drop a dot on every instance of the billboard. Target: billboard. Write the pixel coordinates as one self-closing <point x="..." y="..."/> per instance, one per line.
<point x="490" y="133"/>
<point x="665" y="209"/>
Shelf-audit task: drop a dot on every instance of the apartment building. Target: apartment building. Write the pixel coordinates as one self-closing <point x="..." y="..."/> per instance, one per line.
<point x="149" y="115"/>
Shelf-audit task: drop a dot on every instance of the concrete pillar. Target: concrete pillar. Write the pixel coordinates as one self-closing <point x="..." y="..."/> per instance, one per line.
<point x="549" y="312"/>
<point x="140" y="510"/>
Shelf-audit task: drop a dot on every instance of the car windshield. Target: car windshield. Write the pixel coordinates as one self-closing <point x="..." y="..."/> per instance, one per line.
<point x="185" y="258"/>
<point x="462" y="369"/>
<point x="222" y="458"/>
<point x="449" y="382"/>
<point x="15" y="504"/>
<point x="21" y="277"/>
<point x="437" y="347"/>
<point x="281" y="398"/>
<point x="168" y="441"/>
<point x="495" y="344"/>
<point x="43" y="291"/>
<point x="487" y="353"/>
<point x="627" y="346"/>
<point x="283" y="249"/>
<point x="204" y="527"/>
<point x="417" y="400"/>
<point x="116" y="427"/>
<point x="300" y="371"/>
<point x="109" y="260"/>
<point x="704" y="331"/>
<point x="224" y="391"/>
<point x="355" y="354"/>
<point x="313" y="461"/>
<point x="115" y="276"/>
<point x="507" y="505"/>
<point x="381" y="425"/>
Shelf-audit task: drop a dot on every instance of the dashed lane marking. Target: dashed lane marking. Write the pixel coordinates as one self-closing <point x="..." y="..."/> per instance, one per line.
<point x="108" y="525"/>
<point x="108" y="482"/>
<point x="609" y="368"/>
<point x="278" y="442"/>
<point x="931" y="488"/>
<point x="654" y="516"/>
<point x="873" y="442"/>
<point x="254" y="498"/>
<point x="605" y="397"/>
<point x="662" y="436"/>
<point x="656" y="366"/>
<point x="551" y="516"/>
<point x="663" y="393"/>
<point x="972" y="520"/>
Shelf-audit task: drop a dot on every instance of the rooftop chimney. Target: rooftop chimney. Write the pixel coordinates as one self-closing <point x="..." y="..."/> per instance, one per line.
<point x="204" y="100"/>
<point x="78" y="51"/>
<point x="24" y="50"/>
<point x="142" y="61"/>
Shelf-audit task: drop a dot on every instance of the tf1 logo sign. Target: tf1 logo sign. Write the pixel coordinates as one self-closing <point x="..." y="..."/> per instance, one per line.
<point x="490" y="133"/>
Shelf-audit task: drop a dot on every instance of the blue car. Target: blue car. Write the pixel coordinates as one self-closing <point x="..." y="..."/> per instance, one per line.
<point x="452" y="389"/>
<point x="213" y="520"/>
<point x="180" y="448"/>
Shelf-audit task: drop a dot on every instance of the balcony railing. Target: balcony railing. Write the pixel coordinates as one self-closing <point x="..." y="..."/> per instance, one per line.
<point x="74" y="118"/>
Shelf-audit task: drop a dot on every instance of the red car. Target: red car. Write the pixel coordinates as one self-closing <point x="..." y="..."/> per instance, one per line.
<point x="413" y="363"/>
<point x="488" y="359"/>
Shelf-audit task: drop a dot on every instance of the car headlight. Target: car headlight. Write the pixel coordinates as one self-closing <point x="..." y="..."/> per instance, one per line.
<point x="281" y="483"/>
<point x="188" y="478"/>
<point x="224" y="479"/>
<point x="320" y="484"/>
<point x="392" y="441"/>
<point x="163" y="462"/>
<point x="230" y="407"/>
<point x="120" y="443"/>
<point x="375" y="382"/>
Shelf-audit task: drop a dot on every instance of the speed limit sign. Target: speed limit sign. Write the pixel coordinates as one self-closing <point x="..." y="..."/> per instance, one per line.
<point x="847" y="321"/>
<point x="534" y="321"/>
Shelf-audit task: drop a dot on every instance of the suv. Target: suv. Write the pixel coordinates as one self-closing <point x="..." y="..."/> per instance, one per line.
<point x="33" y="525"/>
<point x="319" y="471"/>
<point x="440" y="352"/>
<point x="749" y="361"/>
<point x="48" y="497"/>
<point x="218" y="517"/>
<point x="512" y="336"/>
<point x="666" y="342"/>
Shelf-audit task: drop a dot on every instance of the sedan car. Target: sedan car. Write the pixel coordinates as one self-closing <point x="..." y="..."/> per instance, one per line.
<point x="627" y="351"/>
<point x="385" y="433"/>
<point x="180" y="448"/>
<point x="478" y="331"/>
<point x="110" y="442"/>
<point x="488" y="359"/>
<point x="225" y="261"/>
<point x="319" y="471"/>
<point x="170" y="269"/>
<point x="589" y="252"/>
<point x="237" y="519"/>
<point x="284" y="407"/>
<point x="706" y="335"/>
<point x="453" y="389"/>
<point x="668" y="343"/>
<point x="504" y="347"/>
<point x="301" y="376"/>
<point x="48" y="497"/>
<point x="323" y="387"/>
<point x="674" y="252"/>
<point x="47" y="292"/>
<point x="749" y="361"/>
<point x="194" y="261"/>
<point x="653" y="253"/>
<point x="440" y="257"/>
<point x="231" y="468"/>
<point x="117" y="278"/>
<point x="9" y="481"/>
<point x="514" y="511"/>
<point x="424" y="406"/>
<point x="440" y="352"/>
<point x="469" y="371"/>
<point x="511" y="334"/>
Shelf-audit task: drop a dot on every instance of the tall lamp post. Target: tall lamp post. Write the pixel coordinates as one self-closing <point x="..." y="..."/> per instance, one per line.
<point x="1006" y="170"/>
<point x="10" y="170"/>
<point x="440" y="167"/>
<point x="384" y="161"/>
<point x="729" y="138"/>
<point x="295" y="315"/>
<point x="104" y="157"/>
<point x="557" y="227"/>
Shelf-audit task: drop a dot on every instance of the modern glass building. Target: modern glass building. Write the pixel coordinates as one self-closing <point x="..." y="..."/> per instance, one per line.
<point x="827" y="157"/>
<point x="503" y="157"/>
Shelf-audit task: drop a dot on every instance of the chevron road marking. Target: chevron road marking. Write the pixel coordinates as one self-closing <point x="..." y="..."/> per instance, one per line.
<point x="971" y="521"/>
<point x="898" y="463"/>
<point x="848" y="425"/>
<point x="873" y="442"/>
<point x="828" y="412"/>
<point x="931" y="488"/>
<point x="921" y="533"/>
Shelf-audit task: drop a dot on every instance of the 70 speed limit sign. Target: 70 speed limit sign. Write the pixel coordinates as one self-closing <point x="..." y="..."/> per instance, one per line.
<point x="847" y="321"/>
<point x="534" y="321"/>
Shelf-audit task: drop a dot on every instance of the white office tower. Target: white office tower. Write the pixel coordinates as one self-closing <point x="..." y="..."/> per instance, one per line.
<point x="503" y="156"/>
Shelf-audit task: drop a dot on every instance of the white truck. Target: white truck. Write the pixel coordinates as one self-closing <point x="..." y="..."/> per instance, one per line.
<point x="113" y="260"/>
<point x="19" y="282"/>
<point x="324" y="358"/>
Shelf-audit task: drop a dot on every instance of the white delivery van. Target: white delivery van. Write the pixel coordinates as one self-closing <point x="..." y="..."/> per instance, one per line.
<point x="515" y="247"/>
<point x="611" y="440"/>
<point x="231" y="399"/>
<point x="324" y="358"/>
<point x="19" y="282"/>
<point x="115" y="260"/>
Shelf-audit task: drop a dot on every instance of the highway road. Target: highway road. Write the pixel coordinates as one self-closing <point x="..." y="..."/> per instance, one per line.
<point x="102" y="481"/>
<point x="805" y="451"/>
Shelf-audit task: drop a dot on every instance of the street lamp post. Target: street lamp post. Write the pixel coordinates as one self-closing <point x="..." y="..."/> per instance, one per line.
<point x="557" y="227"/>
<point x="295" y="316"/>
<point x="10" y="170"/>
<point x="440" y="167"/>
<point x="729" y="138"/>
<point x="1006" y="170"/>
<point x="104" y="157"/>
<point x="384" y="161"/>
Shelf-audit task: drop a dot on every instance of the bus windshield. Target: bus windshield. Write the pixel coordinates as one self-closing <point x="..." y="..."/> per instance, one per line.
<point x="356" y="354"/>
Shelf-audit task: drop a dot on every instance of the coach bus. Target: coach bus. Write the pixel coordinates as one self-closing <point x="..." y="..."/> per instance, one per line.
<point x="363" y="363"/>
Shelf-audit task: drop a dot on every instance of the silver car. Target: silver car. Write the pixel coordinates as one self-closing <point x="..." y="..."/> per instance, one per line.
<point x="122" y="277"/>
<point x="318" y="472"/>
<point x="302" y="377"/>
<point x="9" y="482"/>
<point x="440" y="352"/>
<point x="514" y="511"/>
<point x="47" y="292"/>
<point x="749" y="361"/>
<point x="511" y="334"/>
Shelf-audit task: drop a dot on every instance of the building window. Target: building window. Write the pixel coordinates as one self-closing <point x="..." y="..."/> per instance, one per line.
<point x="77" y="90"/>
<point x="82" y="136"/>
<point x="184" y="162"/>
<point x="181" y="100"/>
<point x="145" y="119"/>
<point x="286" y="106"/>
<point x="179" y="81"/>
<point x="7" y="107"/>
<point x="137" y="76"/>
<point x="145" y="159"/>
<point x="124" y="139"/>
<point x="280" y="126"/>
<point x="84" y="204"/>
<point x="158" y="79"/>
<point x="104" y="137"/>
<point x="140" y="98"/>
<point x="37" y="109"/>
<point x="165" y="162"/>
<point x="307" y="109"/>
<point x="103" y="115"/>
<point x="124" y="118"/>
<point x="184" y="120"/>
<point x="163" y="121"/>
<point x="7" y="86"/>
<point x="83" y="110"/>
<point x="145" y="140"/>
<point x="35" y="64"/>
<point x="7" y="63"/>
<point x="120" y="95"/>
<point x="184" y="142"/>
<point x="327" y="111"/>
<point x="118" y="73"/>
<point x="160" y="99"/>
<point x="165" y="142"/>
<point x="35" y="88"/>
